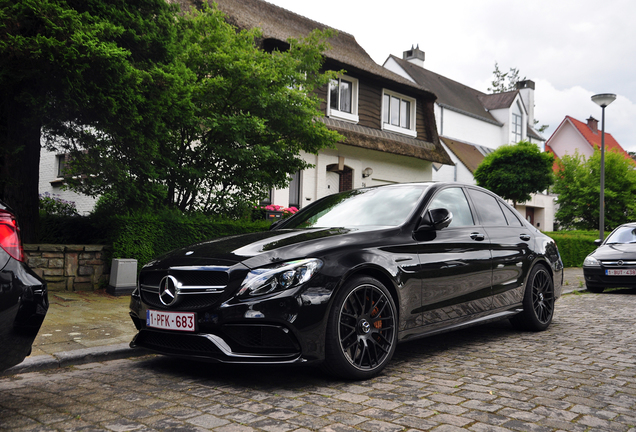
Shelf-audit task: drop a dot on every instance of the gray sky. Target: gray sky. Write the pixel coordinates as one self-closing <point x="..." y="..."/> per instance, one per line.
<point x="570" y="49"/>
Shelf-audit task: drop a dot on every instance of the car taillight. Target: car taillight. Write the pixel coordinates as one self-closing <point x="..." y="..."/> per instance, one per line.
<point x="10" y="235"/>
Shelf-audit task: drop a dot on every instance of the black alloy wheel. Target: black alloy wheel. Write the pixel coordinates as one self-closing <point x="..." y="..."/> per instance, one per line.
<point x="362" y="330"/>
<point x="538" y="301"/>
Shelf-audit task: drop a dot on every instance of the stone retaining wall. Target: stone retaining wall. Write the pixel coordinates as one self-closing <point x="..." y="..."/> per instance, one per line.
<point x="70" y="267"/>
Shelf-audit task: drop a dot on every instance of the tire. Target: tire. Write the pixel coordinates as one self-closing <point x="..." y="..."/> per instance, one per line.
<point x="538" y="302"/>
<point x="361" y="331"/>
<point x="594" y="289"/>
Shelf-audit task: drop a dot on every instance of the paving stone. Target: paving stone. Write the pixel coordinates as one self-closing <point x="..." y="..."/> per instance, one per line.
<point x="488" y="378"/>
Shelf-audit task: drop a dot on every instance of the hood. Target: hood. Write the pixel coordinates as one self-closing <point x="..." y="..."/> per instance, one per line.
<point x="255" y="249"/>
<point x="616" y="251"/>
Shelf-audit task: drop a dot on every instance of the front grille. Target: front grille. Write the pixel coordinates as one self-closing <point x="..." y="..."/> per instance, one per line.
<point x="199" y="289"/>
<point x="187" y="302"/>
<point x="199" y="278"/>
<point x="615" y="264"/>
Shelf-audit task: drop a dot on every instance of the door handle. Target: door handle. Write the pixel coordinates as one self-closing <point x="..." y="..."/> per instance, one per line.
<point x="524" y="237"/>
<point x="477" y="236"/>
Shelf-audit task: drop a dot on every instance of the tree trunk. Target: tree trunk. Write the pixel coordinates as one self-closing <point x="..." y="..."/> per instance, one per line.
<point x="20" y="167"/>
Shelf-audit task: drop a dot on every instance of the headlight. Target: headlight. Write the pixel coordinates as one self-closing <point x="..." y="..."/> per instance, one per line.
<point x="284" y="276"/>
<point x="590" y="261"/>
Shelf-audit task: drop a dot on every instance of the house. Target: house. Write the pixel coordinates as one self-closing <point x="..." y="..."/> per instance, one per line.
<point x="388" y="122"/>
<point x="472" y="124"/>
<point x="573" y="136"/>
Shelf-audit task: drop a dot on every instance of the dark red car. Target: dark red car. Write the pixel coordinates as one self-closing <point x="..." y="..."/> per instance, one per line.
<point x="23" y="295"/>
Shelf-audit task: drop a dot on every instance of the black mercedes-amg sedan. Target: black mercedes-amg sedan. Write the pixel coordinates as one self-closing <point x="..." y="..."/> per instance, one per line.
<point x="23" y="295"/>
<point x="613" y="264"/>
<point x="348" y="277"/>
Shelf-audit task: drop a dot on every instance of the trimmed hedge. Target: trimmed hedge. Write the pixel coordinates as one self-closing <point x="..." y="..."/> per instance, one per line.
<point x="574" y="246"/>
<point x="143" y="236"/>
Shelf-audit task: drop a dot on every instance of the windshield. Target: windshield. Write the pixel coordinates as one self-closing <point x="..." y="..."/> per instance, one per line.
<point x="383" y="206"/>
<point x="625" y="234"/>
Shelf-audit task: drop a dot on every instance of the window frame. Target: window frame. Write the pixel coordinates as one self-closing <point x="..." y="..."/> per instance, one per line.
<point x="517" y="127"/>
<point x="343" y="115"/>
<point x="411" y="130"/>
<point x="60" y="165"/>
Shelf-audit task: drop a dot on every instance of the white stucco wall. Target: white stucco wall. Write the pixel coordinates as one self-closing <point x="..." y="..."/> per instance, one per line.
<point x="387" y="168"/>
<point x="567" y="140"/>
<point x="544" y="209"/>
<point x="392" y="65"/>
<point x="465" y="128"/>
<point x="48" y="174"/>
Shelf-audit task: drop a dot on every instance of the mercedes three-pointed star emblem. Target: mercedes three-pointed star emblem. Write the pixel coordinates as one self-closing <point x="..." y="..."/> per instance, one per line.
<point x="168" y="290"/>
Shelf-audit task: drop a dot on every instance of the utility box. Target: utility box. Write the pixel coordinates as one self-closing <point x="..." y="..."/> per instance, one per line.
<point x="123" y="276"/>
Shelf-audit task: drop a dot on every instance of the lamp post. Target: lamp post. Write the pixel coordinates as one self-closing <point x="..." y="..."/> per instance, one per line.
<point x="603" y="100"/>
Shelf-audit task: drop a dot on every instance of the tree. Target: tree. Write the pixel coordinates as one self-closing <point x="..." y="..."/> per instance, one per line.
<point x="237" y="119"/>
<point x="516" y="171"/>
<point x="578" y="185"/>
<point x="503" y="82"/>
<point x="73" y="65"/>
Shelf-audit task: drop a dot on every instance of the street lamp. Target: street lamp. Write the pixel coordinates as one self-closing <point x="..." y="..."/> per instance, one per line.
<point x="603" y="100"/>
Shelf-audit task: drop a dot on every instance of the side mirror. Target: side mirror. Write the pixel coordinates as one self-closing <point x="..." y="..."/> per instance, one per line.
<point x="598" y="242"/>
<point x="436" y="219"/>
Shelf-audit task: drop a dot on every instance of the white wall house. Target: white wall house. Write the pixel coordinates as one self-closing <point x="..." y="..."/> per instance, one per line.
<point x="51" y="181"/>
<point x="472" y="124"/>
<point x="573" y="136"/>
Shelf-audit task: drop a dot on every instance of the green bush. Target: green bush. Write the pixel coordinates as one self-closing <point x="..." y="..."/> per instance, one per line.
<point x="144" y="237"/>
<point x="59" y="229"/>
<point x="574" y="246"/>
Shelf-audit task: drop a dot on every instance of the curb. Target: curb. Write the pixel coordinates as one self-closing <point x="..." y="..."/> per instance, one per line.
<point x="75" y="357"/>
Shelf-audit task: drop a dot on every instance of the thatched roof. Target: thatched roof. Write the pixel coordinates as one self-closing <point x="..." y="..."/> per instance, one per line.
<point x="387" y="142"/>
<point x="281" y="24"/>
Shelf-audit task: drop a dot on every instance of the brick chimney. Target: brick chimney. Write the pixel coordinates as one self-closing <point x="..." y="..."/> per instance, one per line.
<point x="592" y="123"/>
<point x="414" y="55"/>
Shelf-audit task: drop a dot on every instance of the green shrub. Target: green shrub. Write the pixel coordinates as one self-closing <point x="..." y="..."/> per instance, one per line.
<point x="58" y="229"/>
<point x="574" y="246"/>
<point x="144" y="237"/>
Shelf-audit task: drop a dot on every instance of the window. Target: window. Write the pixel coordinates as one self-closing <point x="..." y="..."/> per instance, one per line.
<point x="343" y="99"/>
<point x="516" y="125"/>
<point x="488" y="208"/>
<point x="510" y="216"/>
<point x="294" y="190"/>
<point x="454" y="200"/>
<point x="398" y="113"/>
<point x="61" y="165"/>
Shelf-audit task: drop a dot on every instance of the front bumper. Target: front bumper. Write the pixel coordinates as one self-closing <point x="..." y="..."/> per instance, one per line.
<point x="286" y="327"/>
<point x="596" y="277"/>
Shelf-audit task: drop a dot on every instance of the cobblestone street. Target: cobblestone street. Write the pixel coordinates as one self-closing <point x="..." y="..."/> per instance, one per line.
<point x="579" y="375"/>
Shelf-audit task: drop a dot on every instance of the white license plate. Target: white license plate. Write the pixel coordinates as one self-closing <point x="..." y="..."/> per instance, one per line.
<point x="180" y="321"/>
<point x="621" y="272"/>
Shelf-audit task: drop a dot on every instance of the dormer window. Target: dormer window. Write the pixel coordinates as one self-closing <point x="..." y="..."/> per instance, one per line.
<point x="343" y="99"/>
<point x="398" y="113"/>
